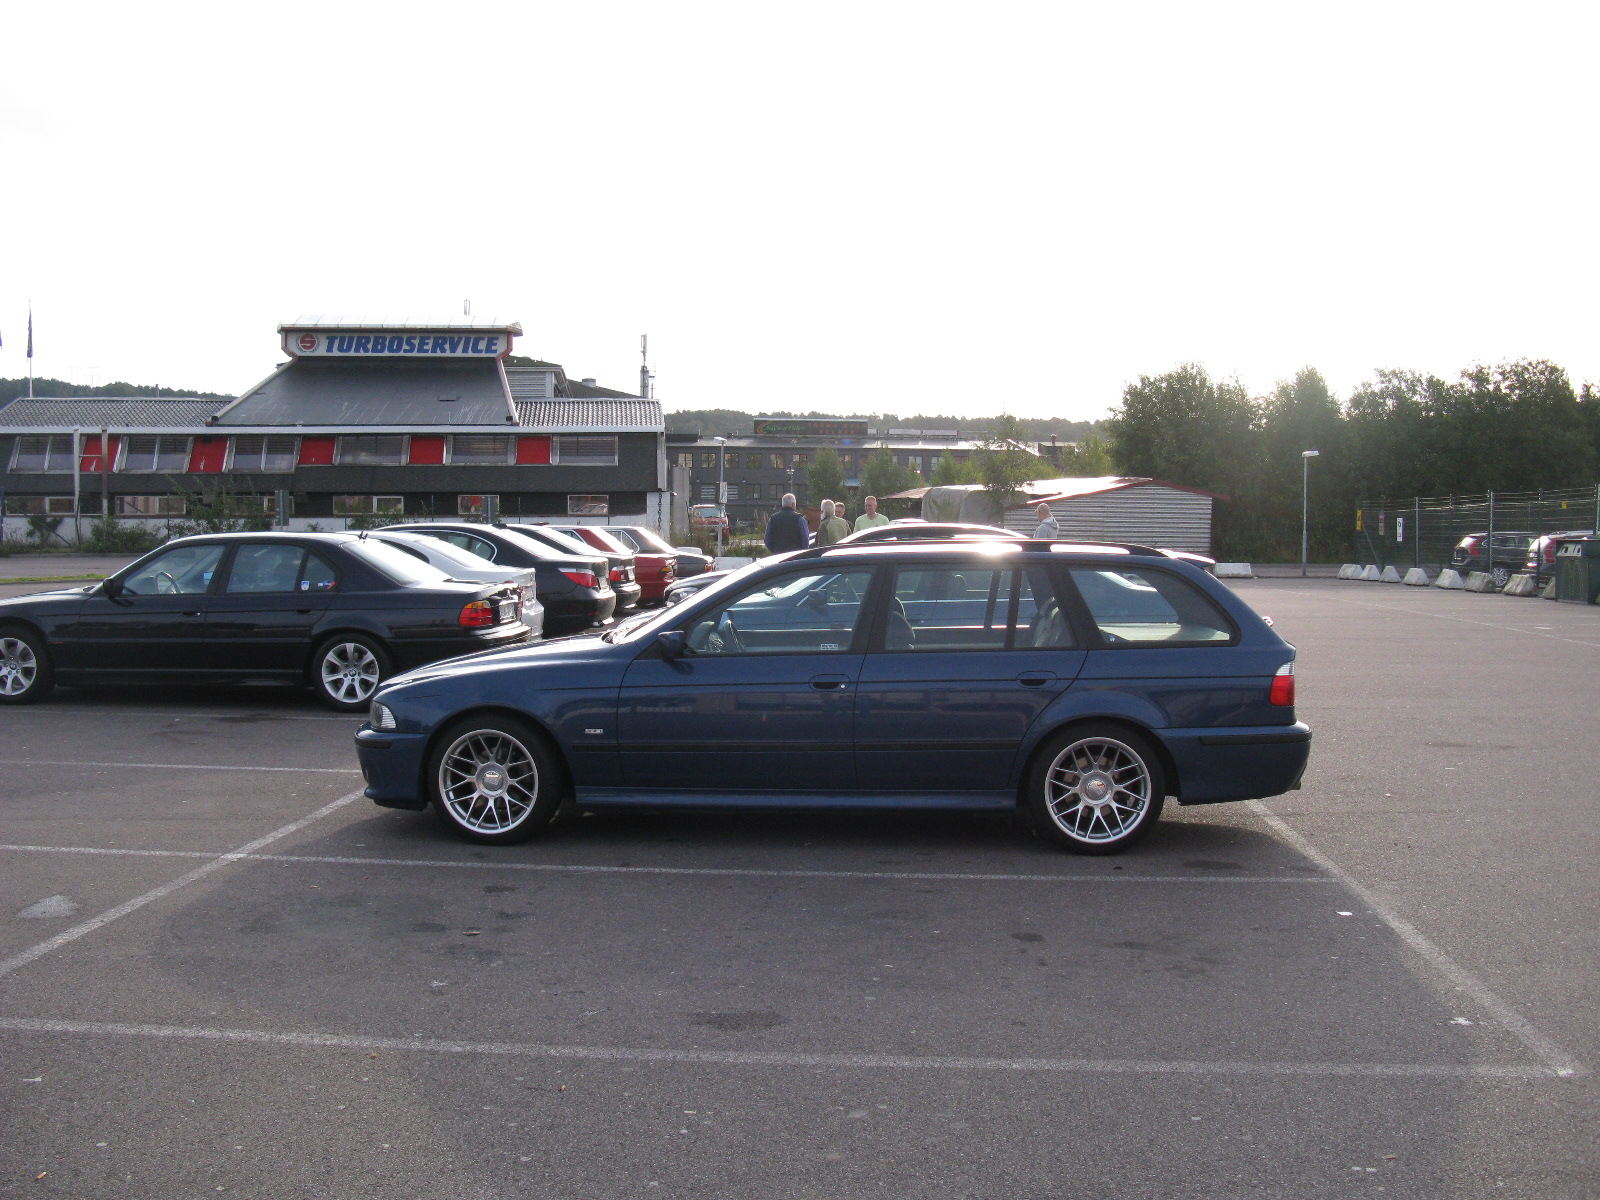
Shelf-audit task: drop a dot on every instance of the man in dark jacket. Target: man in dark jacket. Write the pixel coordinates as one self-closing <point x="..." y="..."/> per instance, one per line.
<point x="786" y="528"/>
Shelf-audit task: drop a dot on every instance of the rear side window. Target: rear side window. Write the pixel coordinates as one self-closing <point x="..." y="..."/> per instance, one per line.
<point x="973" y="607"/>
<point x="1149" y="608"/>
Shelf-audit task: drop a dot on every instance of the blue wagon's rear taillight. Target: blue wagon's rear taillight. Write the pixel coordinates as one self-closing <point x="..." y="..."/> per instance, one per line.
<point x="1282" y="693"/>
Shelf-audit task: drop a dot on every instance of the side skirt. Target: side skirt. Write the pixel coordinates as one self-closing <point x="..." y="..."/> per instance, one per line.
<point x="598" y="797"/>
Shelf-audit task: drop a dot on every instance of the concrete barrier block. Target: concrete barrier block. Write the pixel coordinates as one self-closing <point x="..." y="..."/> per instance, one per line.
<point x="1416" y="577"/>
<point x="1549" y="592"/>
<point x="1391" y="574"/>
<point x="1350" y="571"/>
<point x="1371" y="573"/>
<point x="1233" y="571"/>
<point x="1480" y="581"/>
<point x="1449" y="579"/>
<point x="1519" y="585"/>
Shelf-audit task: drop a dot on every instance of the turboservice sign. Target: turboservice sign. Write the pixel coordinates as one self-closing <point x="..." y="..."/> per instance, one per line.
<point x="409" y="343"/>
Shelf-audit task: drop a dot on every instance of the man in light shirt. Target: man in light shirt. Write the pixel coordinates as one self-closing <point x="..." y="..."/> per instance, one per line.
<point x="1047" y="523"/>
<point x="872" y="518"/>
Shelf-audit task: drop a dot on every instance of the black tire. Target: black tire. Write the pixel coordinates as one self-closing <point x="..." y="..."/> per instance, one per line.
<point x="347" y="668"/>
<point x="493" y="780"/>
<point x="26" y="672"/>
<point x="1095" y="789"/>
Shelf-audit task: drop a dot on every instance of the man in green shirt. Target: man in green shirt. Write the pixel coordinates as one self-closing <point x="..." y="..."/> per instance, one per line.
<point x="872" y="517"/>
<point x="832" y="527"/>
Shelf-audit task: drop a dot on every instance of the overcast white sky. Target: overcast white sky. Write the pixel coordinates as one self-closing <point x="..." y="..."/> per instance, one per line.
<point x="854" y="207"/>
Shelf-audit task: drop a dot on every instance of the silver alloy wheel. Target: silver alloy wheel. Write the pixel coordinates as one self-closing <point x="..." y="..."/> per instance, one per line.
<point x="19" y="667"/>
<point x="1097" y="790"/>
<point x="350" y="672"/>
<point x="488" y="781"/>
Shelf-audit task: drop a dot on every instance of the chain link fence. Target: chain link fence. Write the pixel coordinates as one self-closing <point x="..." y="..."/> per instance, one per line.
<point x="1423" y="531"/>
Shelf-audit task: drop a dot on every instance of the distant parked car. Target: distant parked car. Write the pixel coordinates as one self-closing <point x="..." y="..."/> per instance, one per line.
<point x="682" y="589"/>
<point x="707" y="516"/>
<point x="461" y="564"/>
<point x="335" y="611"/>
<point x="911" y="530"/>
<point x="1508" y="555"/>
<point x="1541" y="561"/>
<point x="652" y="570"/>
<point x="572" y="586"/>
<point x="620" y="559"/>
<point x="686" y="559"/>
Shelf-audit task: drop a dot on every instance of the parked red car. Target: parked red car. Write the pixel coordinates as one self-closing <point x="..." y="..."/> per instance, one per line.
<point x="652" y="572"/>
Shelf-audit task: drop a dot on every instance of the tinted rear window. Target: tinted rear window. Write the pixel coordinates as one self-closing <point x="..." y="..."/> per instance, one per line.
<point x="1149" y="608"/>
<point x="395" y="564"/>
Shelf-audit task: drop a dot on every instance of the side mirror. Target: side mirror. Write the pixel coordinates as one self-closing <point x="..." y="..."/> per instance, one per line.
<point x="112" y="589"/>
<point x="673" y="642"/>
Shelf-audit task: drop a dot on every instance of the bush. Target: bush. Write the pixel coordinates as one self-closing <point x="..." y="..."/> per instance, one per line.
<point x="111" y="536"/>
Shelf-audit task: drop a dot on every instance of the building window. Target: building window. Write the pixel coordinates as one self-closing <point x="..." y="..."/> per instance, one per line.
<point x="151" y="506"/>
<point x="797" y="460"/>
<point x="41" y="506"/>
<point x="755" y="491"/>
<point x="588" y="506"/>
<point x="145" y="453"/>
<point x="51" y="453"/>
<point x="752" y="462"/>
<point x="775" y="460"/>
<point x="733" y="491"/>
<point x="480" y="448"/>
<point x="707" y="461"/>
<point x="255" y="452"/>
<point x="686" y="461"/>
<point x="914" y="461"/>
<point x="709" y="493"/>
<point x="361" y="506"/>
<point x="381" y="449"/>
<point x="472" y="506"/>
<point x="847" y="461"/>
<point x="586" y="450"/>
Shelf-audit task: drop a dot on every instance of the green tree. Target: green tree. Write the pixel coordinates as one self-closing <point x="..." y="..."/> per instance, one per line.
<point x="1004" y="464"/>
<point x="1089" y="459"/>
<point x="883" y="476"/>
<point x="948" y="471"/>
<point x="824" y="477"/>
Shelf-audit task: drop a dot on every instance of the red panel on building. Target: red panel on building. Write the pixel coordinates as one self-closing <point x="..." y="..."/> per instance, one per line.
<point x="89" y="461"/>
<point x="533" y="450"/>
<point x="316" y="452"/>
<point x="209" y="455"/>
<point x="427" y="449"/>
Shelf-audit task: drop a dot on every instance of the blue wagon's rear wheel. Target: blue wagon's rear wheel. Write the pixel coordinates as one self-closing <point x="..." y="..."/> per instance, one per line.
<point x="1095" y="789"/>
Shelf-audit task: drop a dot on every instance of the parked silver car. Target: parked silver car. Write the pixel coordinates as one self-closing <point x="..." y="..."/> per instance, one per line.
<point x="462" y="564"/>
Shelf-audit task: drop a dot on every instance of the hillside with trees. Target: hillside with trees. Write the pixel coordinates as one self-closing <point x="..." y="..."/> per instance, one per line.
<point x="12" y="388"/>
<point x="729" y="422"/>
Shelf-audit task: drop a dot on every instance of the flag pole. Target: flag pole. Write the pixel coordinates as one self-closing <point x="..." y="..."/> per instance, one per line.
<point x="30" y="349"/>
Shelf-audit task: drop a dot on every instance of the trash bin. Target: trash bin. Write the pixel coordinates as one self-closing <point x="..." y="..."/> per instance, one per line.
<point x="1578" y="571"/>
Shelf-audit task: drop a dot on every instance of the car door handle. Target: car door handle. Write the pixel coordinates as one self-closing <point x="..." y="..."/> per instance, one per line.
<point x="830" y="683"/>
<point x="1035" y="678"/>
<point x="194" y="613"/>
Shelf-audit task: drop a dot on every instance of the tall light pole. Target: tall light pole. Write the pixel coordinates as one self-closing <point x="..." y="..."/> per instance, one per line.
<point x="1305" y="506"/>
<point x="722" y="490"/>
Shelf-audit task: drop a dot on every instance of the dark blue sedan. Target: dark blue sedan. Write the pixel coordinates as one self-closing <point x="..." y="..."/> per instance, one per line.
<point x="1081" y="684"/>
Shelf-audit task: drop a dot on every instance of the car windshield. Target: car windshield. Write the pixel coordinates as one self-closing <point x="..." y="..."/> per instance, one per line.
<point x="645" y="623"/>
<point x="395" y="564"/>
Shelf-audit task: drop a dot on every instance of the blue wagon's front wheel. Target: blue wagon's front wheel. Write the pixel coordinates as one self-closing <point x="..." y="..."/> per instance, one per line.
<point x="493" y="780"/>
<point x="1095" y="789"/>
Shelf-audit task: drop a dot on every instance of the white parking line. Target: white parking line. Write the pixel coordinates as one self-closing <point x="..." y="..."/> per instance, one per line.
<point x="1558" y="1060"/>
<point x="594" y="869"/>
<point x="778" y="1058"/>
<point x="22" y="959"/>
<point x="46" y="762"/>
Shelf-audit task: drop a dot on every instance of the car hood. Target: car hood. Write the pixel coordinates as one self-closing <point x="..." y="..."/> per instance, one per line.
<point x="579" y="655"/>
<point x="54" y="597"/>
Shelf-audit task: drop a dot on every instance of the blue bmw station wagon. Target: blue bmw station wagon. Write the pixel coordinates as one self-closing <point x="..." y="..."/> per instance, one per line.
<point x="1081" y="684"/>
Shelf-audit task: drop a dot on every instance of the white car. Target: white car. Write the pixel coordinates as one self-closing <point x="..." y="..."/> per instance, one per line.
<point x="463" y="564"/>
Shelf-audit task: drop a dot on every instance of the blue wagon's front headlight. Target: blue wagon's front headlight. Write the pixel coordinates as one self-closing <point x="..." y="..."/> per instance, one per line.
<point x="382" y="717"/>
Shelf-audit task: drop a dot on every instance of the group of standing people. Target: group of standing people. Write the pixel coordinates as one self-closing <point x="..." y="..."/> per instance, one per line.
<point x="787" y="529"/>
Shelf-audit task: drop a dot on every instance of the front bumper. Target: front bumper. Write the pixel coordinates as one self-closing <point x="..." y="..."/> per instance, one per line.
<point x="392" y="766"/>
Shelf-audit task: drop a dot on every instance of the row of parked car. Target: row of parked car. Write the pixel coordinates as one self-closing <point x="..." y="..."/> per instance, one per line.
<point x="1513" y="552"/>
<point x="338" y="611"/>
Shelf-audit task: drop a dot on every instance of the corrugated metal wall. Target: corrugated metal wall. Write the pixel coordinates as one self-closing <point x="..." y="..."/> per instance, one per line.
<point x="1153" y="515"/>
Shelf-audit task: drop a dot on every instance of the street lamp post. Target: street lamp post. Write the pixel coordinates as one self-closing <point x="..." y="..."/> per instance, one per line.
<point x="1305" y="507"/>
<point x="722" y="490"/>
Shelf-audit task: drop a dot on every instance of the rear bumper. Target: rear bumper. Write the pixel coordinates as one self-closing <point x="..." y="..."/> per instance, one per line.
<point x="1217" y="765"/>
<point x="419" y="652"/>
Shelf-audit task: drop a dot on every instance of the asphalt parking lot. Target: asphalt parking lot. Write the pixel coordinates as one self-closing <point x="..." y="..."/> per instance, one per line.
<point x="223" y="972"/>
